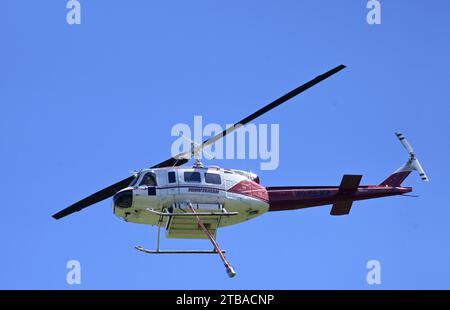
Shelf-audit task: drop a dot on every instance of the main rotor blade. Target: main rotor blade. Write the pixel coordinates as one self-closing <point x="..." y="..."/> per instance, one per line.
<point x="111" y="190"/>
<point x="274" y="104"/>
<point x="94" y="198"/>
<point x="171" y="162"/>
<point x="178" y="161"/>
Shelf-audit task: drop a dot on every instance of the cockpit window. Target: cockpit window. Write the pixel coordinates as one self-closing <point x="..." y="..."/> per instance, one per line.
<point x="192" y="177"/>
<point x="149" y="179"/>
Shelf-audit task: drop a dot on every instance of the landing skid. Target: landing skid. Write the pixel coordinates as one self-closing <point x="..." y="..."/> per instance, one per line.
<point x="196" y="215"/>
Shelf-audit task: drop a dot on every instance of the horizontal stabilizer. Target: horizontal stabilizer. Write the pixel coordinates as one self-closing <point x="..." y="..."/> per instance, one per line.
<point x="349" y="183"/>
<point x="341" y="208"/>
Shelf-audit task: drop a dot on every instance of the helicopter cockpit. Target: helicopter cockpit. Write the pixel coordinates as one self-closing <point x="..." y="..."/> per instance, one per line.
<point x="149" y="179"/>
<point x="145" y="178"/>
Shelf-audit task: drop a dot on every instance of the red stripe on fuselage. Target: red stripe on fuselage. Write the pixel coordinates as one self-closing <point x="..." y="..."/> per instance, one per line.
<point x="251" y="189"/>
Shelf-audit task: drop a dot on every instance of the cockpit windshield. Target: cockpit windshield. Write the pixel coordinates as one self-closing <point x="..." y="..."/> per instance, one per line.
<point x="133" y="183"/>
<point x="149" y="179"/>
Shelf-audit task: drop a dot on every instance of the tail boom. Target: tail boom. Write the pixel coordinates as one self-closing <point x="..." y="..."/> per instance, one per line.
<point x="300" y="197"/>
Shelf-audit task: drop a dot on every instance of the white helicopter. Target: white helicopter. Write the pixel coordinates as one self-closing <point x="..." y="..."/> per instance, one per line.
<point x="194" y="202"/>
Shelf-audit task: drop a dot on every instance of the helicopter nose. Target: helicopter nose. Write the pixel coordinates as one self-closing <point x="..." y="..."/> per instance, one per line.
<point x="124" y="199"/>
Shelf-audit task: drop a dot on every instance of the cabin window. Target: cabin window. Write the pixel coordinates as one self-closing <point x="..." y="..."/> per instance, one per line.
<point x="149" y="179"/>
<point x="192" y="177"/>
<point x="172" y="178"/>
<point x="213" y="178"/>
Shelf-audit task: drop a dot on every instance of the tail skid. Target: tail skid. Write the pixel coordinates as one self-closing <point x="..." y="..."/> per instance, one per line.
<point x="396" y="179"/>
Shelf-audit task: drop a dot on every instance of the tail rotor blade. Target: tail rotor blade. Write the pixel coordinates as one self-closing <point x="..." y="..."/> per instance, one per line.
<point x="405" y="143"/>
<point x="420" y="170"/>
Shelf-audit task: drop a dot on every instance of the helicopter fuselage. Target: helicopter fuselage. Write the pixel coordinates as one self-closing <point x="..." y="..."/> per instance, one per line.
<point x="207" y="189"/>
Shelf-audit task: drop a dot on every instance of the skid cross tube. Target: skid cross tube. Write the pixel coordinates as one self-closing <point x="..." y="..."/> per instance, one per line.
<point x="230" y="271"/>
<point x="194" y="214"/>
<point x="139" y="248"/>
<point x="158" y="250"/>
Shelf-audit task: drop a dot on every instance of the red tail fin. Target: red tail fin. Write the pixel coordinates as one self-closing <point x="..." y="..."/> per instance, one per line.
<point x="395" y="179"/>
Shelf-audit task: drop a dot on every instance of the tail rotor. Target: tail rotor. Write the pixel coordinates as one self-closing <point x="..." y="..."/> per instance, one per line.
<point x="396" y="179"/>
<point x="413" y="163"/>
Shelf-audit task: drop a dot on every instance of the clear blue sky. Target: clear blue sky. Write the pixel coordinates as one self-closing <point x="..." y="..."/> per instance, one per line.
<point x="82" y="106"/>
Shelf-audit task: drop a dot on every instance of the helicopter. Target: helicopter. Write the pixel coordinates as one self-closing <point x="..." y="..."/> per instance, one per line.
<point x="193" y="202"/>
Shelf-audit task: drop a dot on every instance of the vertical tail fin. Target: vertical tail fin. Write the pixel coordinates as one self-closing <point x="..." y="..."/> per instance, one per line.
<point x="412" y="164"/>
